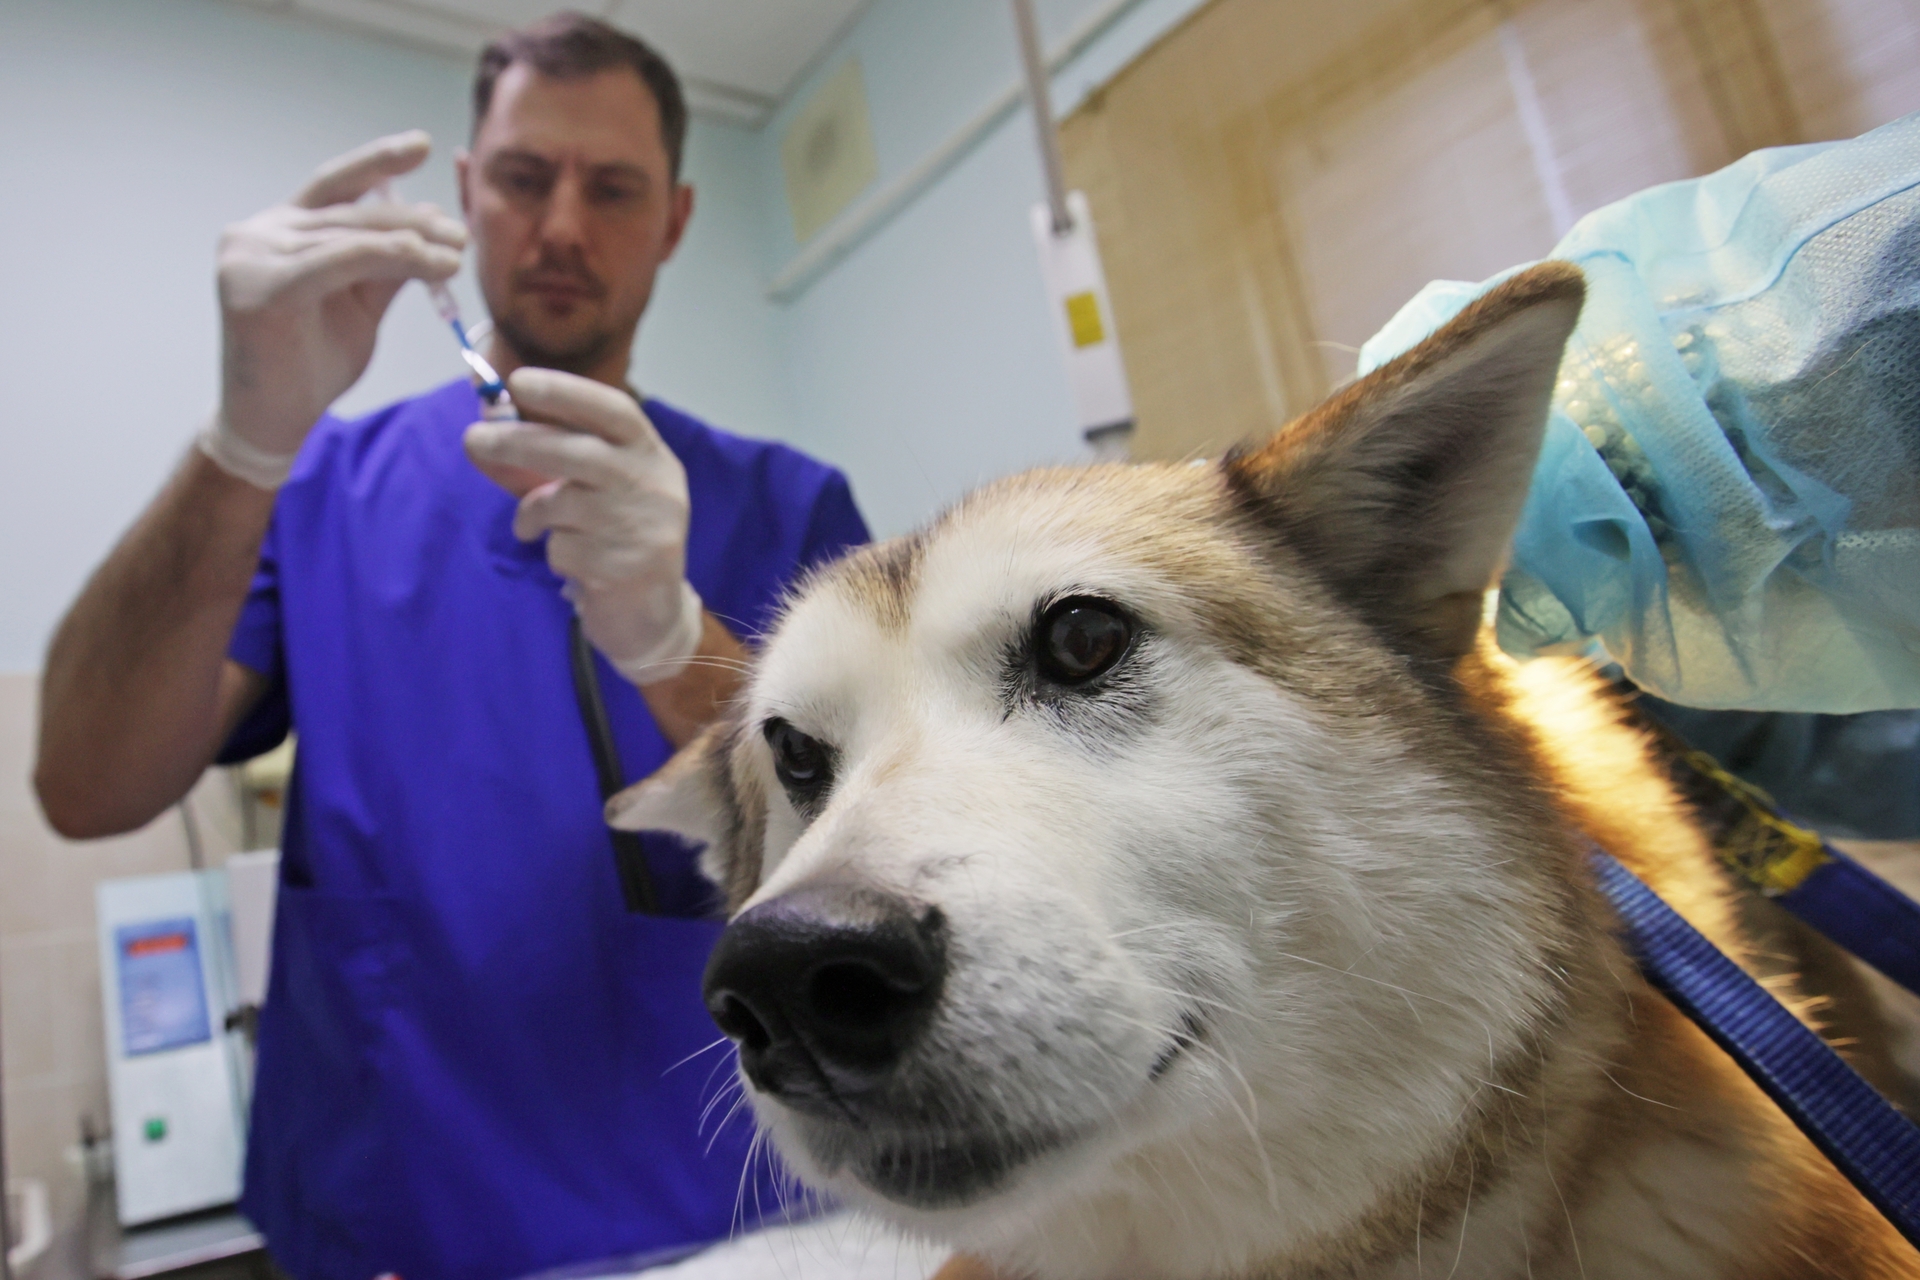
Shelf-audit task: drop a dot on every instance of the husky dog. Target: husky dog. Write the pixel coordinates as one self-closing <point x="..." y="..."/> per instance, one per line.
<point x="1153" y="873"/>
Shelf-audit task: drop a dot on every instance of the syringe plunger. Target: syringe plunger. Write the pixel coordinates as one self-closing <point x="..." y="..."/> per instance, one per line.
<point x="443" y="303"/>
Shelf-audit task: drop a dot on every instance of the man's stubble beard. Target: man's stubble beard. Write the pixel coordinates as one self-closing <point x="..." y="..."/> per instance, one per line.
<point x="580" y="357"/>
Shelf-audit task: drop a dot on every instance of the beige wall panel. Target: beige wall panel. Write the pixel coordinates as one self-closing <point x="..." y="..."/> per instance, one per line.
<point x="1851" y="64"/>
<point x="1208" y="301"/>
<point x="1197" y="341"/>
<point x="1234" y="57"/>
<point x="1274" y="178"/>
<point x="1622" y="97"/>
<point x="1431" y="178"/>
<point x="1737" y="62"/>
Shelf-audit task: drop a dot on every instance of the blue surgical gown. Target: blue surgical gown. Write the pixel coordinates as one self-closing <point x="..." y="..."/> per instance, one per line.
<point x="473" y="1062"/>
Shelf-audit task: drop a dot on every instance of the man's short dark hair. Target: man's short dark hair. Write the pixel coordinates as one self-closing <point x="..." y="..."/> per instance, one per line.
<point x="570" y="46"/>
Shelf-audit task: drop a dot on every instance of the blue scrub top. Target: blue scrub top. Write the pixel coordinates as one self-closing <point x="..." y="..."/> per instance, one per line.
<point x="474" y="1063"/>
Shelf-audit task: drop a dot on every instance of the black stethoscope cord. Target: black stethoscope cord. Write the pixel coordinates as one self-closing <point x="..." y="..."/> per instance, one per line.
<point x="629" y="854"/>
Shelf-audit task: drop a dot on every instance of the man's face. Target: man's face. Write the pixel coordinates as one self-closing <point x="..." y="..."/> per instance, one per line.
<point x="572" y="204"/>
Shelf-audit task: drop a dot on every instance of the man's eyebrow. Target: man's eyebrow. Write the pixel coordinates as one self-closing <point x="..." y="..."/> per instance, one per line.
<point x="621" y="169"/>
<point x="607" y="169"/>
<point x="512" y="156"/>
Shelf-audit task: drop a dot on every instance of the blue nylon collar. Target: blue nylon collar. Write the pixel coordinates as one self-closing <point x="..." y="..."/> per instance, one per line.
<point x="1863" y="913"/>
<point x="1876" y="1147"/>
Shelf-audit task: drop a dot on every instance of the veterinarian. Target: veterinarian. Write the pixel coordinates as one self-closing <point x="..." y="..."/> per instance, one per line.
<point x="474" y="1062"/>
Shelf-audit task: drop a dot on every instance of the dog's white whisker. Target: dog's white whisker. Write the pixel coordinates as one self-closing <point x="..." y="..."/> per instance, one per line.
<point x="1379" y="982"/>
<point x="719" y="1096"/>
<point x="728" y="1082"/>
<point x="1631" y="1094"/>
<point x="1252" y="1118"/>
<point x="1193" y="997"/>
<point x="1466" y="1211"/>
<point x="729" y="1085"/>
<point x="707" y="1048"/>
<point x="1146" y="928"/>
<point x="739" y="1101"/>
<point x="1419" y="1228"/>
<point x="740" y="1195"/>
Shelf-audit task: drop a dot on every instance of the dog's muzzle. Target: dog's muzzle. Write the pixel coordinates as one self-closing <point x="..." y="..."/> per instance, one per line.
<point x="825" y="989"/>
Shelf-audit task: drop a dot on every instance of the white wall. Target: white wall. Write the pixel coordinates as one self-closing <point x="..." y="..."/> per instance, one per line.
<point x="924" y="362"/>
<point x="710" y="342"/>
<point x="131" y="131"/>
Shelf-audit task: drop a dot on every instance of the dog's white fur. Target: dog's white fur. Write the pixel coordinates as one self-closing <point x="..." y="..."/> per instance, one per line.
<point x="1315" y="837"/>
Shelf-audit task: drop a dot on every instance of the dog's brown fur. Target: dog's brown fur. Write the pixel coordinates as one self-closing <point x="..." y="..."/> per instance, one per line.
<point x="1795" y="1217"/>
<point x="1802" y="1218"/>
<point x="1613" y="1139"/>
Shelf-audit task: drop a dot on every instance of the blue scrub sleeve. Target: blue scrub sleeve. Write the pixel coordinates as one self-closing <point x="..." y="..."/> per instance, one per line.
<point x="256" y="644"/>
<point x="835" y="524"/>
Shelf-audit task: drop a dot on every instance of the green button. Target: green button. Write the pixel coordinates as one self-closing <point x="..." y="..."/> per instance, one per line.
<point x="156" y="1128"/>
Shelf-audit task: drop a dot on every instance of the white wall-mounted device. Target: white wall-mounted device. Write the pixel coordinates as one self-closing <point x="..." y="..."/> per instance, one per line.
<point x="176" y="1075"/>
<point x="1083" y="323"/>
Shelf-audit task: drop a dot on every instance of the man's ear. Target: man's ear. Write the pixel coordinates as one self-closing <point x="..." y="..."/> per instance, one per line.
<point x="708" y="795"/>
<point x="1402" y="491"/>
<point x="679" y="214"/>
<point x="462" y="166"/>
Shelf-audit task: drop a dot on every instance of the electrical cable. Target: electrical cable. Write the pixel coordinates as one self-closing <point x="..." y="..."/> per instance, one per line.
<point x="196" y="852"/>
<point x="6" y="1197"/>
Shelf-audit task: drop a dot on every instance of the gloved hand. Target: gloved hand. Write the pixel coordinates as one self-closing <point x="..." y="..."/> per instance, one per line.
<point x="303" y="286"/>
<point x="615" y="516"/>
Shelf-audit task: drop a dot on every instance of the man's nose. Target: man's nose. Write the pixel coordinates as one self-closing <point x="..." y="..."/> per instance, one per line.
<point x="564" y="221"/>
<point x="824" y="988"/>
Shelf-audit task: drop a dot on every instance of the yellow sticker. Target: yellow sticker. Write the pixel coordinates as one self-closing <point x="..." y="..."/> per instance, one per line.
<point x="1083" y="318"/>
<point x="1761" y="847"/>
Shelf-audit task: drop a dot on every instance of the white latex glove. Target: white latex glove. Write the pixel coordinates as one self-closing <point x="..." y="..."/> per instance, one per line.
<point x="615" y="515"/>
<point x="303" y="286"/>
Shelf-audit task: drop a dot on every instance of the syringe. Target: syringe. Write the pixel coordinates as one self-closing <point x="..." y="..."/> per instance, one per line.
<point x="493" y="388"/>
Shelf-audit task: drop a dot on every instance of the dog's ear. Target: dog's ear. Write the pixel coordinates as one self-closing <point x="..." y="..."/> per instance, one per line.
<point x="709" y="792"/>
<point x="1402" y="491"/>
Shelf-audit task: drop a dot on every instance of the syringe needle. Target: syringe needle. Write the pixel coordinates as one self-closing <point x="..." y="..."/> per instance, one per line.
<point x="449" y="309"/>
<point x="493" y="388"/>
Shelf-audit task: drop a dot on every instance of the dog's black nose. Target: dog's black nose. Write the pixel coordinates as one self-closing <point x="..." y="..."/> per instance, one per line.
<point x="824" y="988"/>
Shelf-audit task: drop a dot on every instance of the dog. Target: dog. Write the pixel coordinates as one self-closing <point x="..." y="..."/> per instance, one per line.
<point x="1155" y="871"/>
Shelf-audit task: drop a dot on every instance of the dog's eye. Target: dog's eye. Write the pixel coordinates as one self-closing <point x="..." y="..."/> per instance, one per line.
<point x="803" y="764"/>
<point x="1080" y="637"/>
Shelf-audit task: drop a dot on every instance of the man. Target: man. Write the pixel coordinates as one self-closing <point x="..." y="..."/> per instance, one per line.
<point x="474" y="1062"/>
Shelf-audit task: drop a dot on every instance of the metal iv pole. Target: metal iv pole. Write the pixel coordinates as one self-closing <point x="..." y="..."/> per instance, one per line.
<point x="1040" y="102"/>
<point x="1071" y="272"/>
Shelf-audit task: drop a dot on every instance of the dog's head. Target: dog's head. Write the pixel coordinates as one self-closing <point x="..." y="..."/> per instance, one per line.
<point x="1121" y="852"/>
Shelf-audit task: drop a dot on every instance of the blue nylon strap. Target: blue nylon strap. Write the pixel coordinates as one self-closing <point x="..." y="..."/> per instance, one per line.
<point x="1864" y="914"/>
<point x="1876" y="1147"/>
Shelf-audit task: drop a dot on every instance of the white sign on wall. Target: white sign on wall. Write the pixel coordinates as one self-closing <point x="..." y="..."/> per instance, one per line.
<point x="1083" y="320"/>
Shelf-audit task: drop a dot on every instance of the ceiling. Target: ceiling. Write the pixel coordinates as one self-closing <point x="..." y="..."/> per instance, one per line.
<point x="738" y="58"/>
